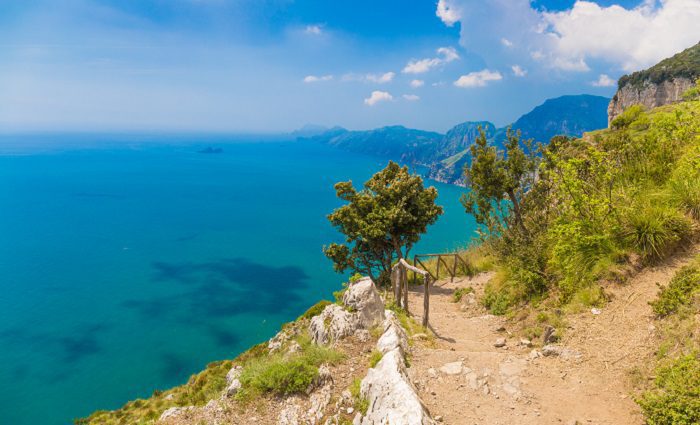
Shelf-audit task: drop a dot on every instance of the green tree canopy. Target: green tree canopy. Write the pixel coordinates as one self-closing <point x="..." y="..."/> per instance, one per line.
<point x="498" y="181"/>
<point x="382" y="221"/>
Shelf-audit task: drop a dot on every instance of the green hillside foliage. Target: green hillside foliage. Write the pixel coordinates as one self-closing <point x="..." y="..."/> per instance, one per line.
<point x="685" y="64"/>
<point x="627" y="192"/>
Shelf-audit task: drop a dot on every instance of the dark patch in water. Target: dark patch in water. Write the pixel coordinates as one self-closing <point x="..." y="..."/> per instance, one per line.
<point x="174" y="368"/>
<point x="221" y="289"/>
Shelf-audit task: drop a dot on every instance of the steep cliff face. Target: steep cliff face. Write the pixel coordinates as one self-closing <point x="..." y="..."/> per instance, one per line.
<point x="648" y="94"/>
<point x="661" y="84"/>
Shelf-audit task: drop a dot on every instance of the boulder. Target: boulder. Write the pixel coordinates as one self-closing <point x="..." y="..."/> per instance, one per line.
<point x="332" y="324"/>
<point x="362" y="298"/>
<point x="394" y="335"/>
<point x="175" y="412"/>
<point x="454" y="368"/>
<point x="392" y="399"/>
<point x="289" y="415"/>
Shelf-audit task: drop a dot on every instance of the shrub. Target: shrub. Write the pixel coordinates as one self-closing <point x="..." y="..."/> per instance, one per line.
<point x="680" y="291"/>
<point x="684" y="183"/>
<point x="676" y="398"/>
<point x="315" y="309"/>
<point x="285" y="374"/>
<point x="460" y="292"/>
<point x="654" y="230"/>
<point x="626" y="118"/>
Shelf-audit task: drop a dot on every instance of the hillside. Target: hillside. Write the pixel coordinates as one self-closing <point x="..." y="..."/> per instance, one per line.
<point x="446" y="155"/>
<point x="659" y="85"/>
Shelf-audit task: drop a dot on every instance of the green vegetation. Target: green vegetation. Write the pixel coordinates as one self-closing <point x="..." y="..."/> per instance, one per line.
<point x="685" y="64"/>
<point x="285" y="373"/>
<point x="675" y="400"/>
<point x="559" y="219"/>
<point x="361" y="403"/>
<point x="382" y="221"/>
<point x="315" y="309"/>
<point x="674" y="396"/>
<point x="375" y="357"/>
<point x="461" y="292"/>
<point x="693" y="93"/>
<point x="681" y="291"/>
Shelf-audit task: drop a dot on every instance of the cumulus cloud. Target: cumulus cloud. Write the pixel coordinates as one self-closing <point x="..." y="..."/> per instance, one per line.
<point x="378" y="96"/>
<point x="313" y="30"/>
<point x="417" y="83"/>
<point x="603" y="81"/>
<point x="571" y="39"/>
<point x="380" y="78"/>
<point x="447" y="12"/>
<point x="518" y="71"/>
<point x="316" y="79"/>
<point x="420" y="66"/>
<point x="478" y="79"/>
<point x="411" y="97"/>
<point x="506" y="42"/>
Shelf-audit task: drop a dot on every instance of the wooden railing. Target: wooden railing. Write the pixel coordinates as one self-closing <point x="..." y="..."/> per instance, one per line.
<point x="441" y="260"/>
<point x="399" y="285"/>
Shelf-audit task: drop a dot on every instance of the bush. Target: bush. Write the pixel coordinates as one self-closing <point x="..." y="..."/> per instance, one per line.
<point x="460" y="292"/>
<point x="680" y="291"/>
<point x="654" y="230"/>
<point x="684" y="183"/>
<point x="676" y="398"/>
<point x="626" y="118"/>
<point x="375" y="357"/>
<point x="285" y="374"/>
<point x="315" y="309"/>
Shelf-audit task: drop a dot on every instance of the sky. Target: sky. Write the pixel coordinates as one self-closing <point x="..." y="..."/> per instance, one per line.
<point x="268" y="66"/>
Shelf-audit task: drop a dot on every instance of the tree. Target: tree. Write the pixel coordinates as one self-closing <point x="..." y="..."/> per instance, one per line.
<point x="382" y="221"/>
<point x="498" y="181"/>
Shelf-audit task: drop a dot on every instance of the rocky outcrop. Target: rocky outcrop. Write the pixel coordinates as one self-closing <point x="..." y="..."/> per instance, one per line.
<point x="648" y="94"/>
<point x="392" y="399"/>
<point x="365" y="309"/>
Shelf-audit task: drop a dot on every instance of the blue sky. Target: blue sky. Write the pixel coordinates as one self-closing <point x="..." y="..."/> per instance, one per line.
<point x="275" y="65"/>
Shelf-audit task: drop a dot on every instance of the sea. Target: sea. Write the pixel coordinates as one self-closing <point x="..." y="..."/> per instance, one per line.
<point x="128" y="262"/>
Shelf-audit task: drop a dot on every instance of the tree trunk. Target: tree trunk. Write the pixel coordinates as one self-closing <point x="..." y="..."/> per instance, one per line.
<point x="516" y="211"/>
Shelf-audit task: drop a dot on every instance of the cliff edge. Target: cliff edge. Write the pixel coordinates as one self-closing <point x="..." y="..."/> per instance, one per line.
<point x="659" y="85"/>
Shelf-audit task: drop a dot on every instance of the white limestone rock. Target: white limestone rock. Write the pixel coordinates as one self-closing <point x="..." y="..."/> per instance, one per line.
<point x="332" y="324"/>
<point x="175" y="413"/>
<point x="362" y="298"/>
<point x="392" y="399"/>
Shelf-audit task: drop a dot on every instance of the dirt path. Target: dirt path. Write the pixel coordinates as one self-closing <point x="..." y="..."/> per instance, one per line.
<point x="465" y="379"/>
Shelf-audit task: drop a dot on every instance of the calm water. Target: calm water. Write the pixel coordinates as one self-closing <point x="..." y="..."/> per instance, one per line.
<point x="128" y="263"/>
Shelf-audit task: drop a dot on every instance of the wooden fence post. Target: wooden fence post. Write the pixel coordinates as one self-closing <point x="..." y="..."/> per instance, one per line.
<point x="426" y="301"/>
<point x="405" y="289"/>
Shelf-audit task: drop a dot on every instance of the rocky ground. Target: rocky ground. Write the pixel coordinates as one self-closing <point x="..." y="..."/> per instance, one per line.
<point x="481" y="372"/>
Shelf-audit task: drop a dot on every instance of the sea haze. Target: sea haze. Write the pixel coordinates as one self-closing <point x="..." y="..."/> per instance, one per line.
<point x="128" y="263"/>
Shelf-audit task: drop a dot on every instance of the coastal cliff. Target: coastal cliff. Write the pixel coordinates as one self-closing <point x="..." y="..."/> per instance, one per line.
<point x="659" y="85"/>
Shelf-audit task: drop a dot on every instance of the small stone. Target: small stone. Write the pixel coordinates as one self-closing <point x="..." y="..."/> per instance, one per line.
<point x="486" y="389"/>
<point x="500" y="328"/>
<point x="438" y="418"/>
<point x="454" y="368"/>
<point x="432" y="373"/>
<point x="525" y="342"/>
<point x="534" y="354"/>
<point x="595" y="311"/>
<point x="500" y="342"/>
<point x="350" y="410"/>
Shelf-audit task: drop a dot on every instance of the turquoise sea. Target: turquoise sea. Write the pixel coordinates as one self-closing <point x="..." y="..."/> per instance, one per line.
<point x="129" y="262"/>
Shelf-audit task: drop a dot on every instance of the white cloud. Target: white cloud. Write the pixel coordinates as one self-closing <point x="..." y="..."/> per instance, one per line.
<point x="447" y="12"/>
<point x="417" y="83"/>
<point x="316" y="79"/>
<point x="411" y="97"/>
<point x="381" y="78"/>
<point x="478" y="79"/>
<point x="506" y="42"/>
<point x="633" y="38"/>
<point x="518" y="71"/>
<point x="420" y="66"/>
<point x="571" y="39"/>
<point x="603" y="81"/>
<point x="378" y="96"/>
<point x="313" y="29"/>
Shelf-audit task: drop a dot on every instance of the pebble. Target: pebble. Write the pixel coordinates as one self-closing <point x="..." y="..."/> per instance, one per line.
<point x="500" y="342"/>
